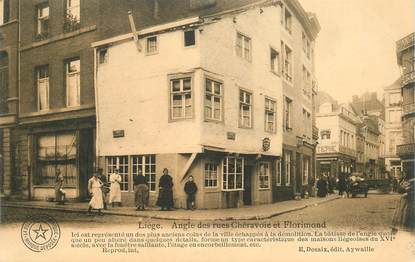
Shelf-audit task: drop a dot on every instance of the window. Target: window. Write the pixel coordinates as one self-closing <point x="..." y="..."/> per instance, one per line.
<point x="152" y="45"/>
<point x="245" y="109"/>
<point x="287" y="114"/>
<point x="189" y="38"/>
<point x="270" y="115"/>
<point x="304" y="38"/>
<point x="394" y="99"/>
<point x="264" y="181"/>
<point x="103" y="56"/>
<point x="243" y="46"/>
<point x="120" y="163"/>
<point x="278" y="172"/>
<point x="275" y="61"/>
<point x="56" y="151"/>
<point x="181" y="98"/>
<point x="73" y="86"/>
<point x="325" y="134"/>
<point x="147" y="165"/>
<point x="306" y="166"/>
<point x="288" y="21"/>
<point x="43" y="20"/>
<point x="308" y="49"/>
<point x="287" y="168"/>
<point x="213" y="100"/>
<point x="4" y="11"/>
<point x="211" y="175"/>
<point x="72" y="15"/>
<point x="4" y="81"/>
<point x="233" y="171"/>
<point x="42" y="82"/>
<point x="287" y="64"/>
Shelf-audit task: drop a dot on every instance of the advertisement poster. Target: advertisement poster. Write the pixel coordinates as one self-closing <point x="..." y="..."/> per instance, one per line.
<point x="207" y="130"/>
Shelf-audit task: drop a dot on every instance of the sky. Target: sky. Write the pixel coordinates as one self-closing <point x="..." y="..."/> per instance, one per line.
<point x="355" y="49"/>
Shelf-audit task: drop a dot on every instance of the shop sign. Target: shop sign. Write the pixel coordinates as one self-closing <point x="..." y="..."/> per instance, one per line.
<point x="118" y="133"/>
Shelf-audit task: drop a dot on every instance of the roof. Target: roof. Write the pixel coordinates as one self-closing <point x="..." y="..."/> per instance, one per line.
<point x="395" y="85"/>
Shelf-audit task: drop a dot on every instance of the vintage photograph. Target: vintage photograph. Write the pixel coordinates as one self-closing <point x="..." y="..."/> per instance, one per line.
<point x="257" y="129"/>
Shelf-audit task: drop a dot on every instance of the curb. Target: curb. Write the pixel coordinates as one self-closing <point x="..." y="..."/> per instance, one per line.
<point x="114" y="213"/>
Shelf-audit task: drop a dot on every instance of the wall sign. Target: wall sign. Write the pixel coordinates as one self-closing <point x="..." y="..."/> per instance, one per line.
<point x="231" y="135"/>
<point x="118" y="133"/>
<point x="266" y="144"/>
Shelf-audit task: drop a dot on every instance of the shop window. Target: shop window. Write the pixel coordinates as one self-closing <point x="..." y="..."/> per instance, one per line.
<point x="147" y="165"/>
<point x="72" y="15"/>
<point x="287" y="168"/>
<point x="151" y="45"/>
<point x="56" y="151"/>
<point x="73" y="85"/>
<point x="42" y="30"/>
<point x="270" y="115"/>
<point x="245" y="109"/>
<point x="189" y="38"/>
<point x="213" y="100"/>
<point x="243" y="46"/>
<point x="42" y="82"/>
<point x="278" y="172"/>
<point x="211" y="175"/>
<point x="233" y="171"/>
<point x="181" y="98"/>
<point x="120" y="163"/>
<point x="264" y="176"/>
<point x="306" y="169"/>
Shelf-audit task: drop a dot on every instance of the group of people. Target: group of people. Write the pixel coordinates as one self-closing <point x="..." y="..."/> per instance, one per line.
<point x="326" y="185"/>
<point x="99" y="189"/>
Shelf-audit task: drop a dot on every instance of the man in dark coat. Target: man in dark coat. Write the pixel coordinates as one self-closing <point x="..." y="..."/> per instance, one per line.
<point x="165" y="199"/>
<point x="190" y="188"/>
<point x="322" y="187"/>
<point x="342" y="184"/>
<point x="105" y="186"/>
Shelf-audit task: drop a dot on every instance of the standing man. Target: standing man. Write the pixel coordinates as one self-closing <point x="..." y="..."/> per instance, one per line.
<point x="140" y="191"/>
<point x="115" y="188"/>
<point x="59" y="192"/>
<point x="165" y="199"/>
<point x="95" y="189"/>
<point x="342" y="184"/>
<point x="190" y="188"/>
<point x="105" y="186"/>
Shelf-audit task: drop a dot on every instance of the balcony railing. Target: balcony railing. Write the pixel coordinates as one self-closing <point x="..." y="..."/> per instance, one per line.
<point x="408" y="108"/>
<point x="408" y="78"/>
<point x="347" y="151"/>
<point x="405" y="42"/>
<point x="407" y="149"/>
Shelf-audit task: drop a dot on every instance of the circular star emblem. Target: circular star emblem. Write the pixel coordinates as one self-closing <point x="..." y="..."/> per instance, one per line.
<point x="40" y="233"/>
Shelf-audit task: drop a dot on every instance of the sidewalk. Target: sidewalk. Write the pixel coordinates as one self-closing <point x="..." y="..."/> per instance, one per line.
<point x="243" y="213"/>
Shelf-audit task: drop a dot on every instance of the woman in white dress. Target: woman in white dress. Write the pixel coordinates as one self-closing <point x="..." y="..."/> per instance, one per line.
<point x="115" y="189"/>
<point x="94" y="188"/>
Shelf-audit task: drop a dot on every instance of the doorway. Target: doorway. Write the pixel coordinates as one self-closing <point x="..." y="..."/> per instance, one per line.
<point x="247" y="198"/>
<point x="86" y="161"/>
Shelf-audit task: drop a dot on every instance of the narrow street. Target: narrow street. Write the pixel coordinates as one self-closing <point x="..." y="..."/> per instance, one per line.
<point x="375" y="211"/>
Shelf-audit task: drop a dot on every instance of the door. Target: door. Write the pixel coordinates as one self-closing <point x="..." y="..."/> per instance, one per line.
<point x="247" y="185"/>
<point x="86" y="161"/>
<point x="298" y="173"/>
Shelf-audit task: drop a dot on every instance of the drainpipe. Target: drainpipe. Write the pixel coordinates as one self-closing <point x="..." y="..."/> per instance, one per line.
<point x="97" y="154"/>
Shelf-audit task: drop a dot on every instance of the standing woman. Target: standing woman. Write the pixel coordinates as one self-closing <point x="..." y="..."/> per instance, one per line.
<point x="59" y="193"/>
<point x="165" y="199"/>
<point x="115" y="189"/>
<point x="140" y="190"/>
<point x="94" y="188"/>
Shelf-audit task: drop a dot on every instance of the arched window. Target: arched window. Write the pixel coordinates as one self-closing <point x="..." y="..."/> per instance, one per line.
<point x="4" y="81"/>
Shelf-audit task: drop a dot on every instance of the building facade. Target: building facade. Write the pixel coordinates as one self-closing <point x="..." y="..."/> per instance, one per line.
<point x="406" y="61"/>
<point x="220" y="115"/>
<point x="338" y="142"/>
<point x="393" y="128"/>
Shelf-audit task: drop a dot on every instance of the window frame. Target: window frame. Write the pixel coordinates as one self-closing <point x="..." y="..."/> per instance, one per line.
<point x="278" y="174"/>
<point x="287" y="167"/>
<point x="275" y="113"/>
<point x="276" y="62"/>
<point x="242" y="54"/>
<point x="69" y="8"/>
<point x="224" y="171"/>
<point x="67" y="73"/>
<point x="267" y="175"/>
<point x="125" y="177"/>
<point x="146" y="160"/>
<point x="208" y="182"/>
<point x="180" y="77"/>
<point x="288" y="21"/>
<point x="305" y="169"/>
<point x="288" y="70"/>
<point x="184" y="37"/>
<point x="147" y="39"/>
<point x="221" y="96"/>
<point x="41" y="19"/>
<point x="287" y="107"/>
<point x="38" y="80"/>
<point x="251" y="107"/>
